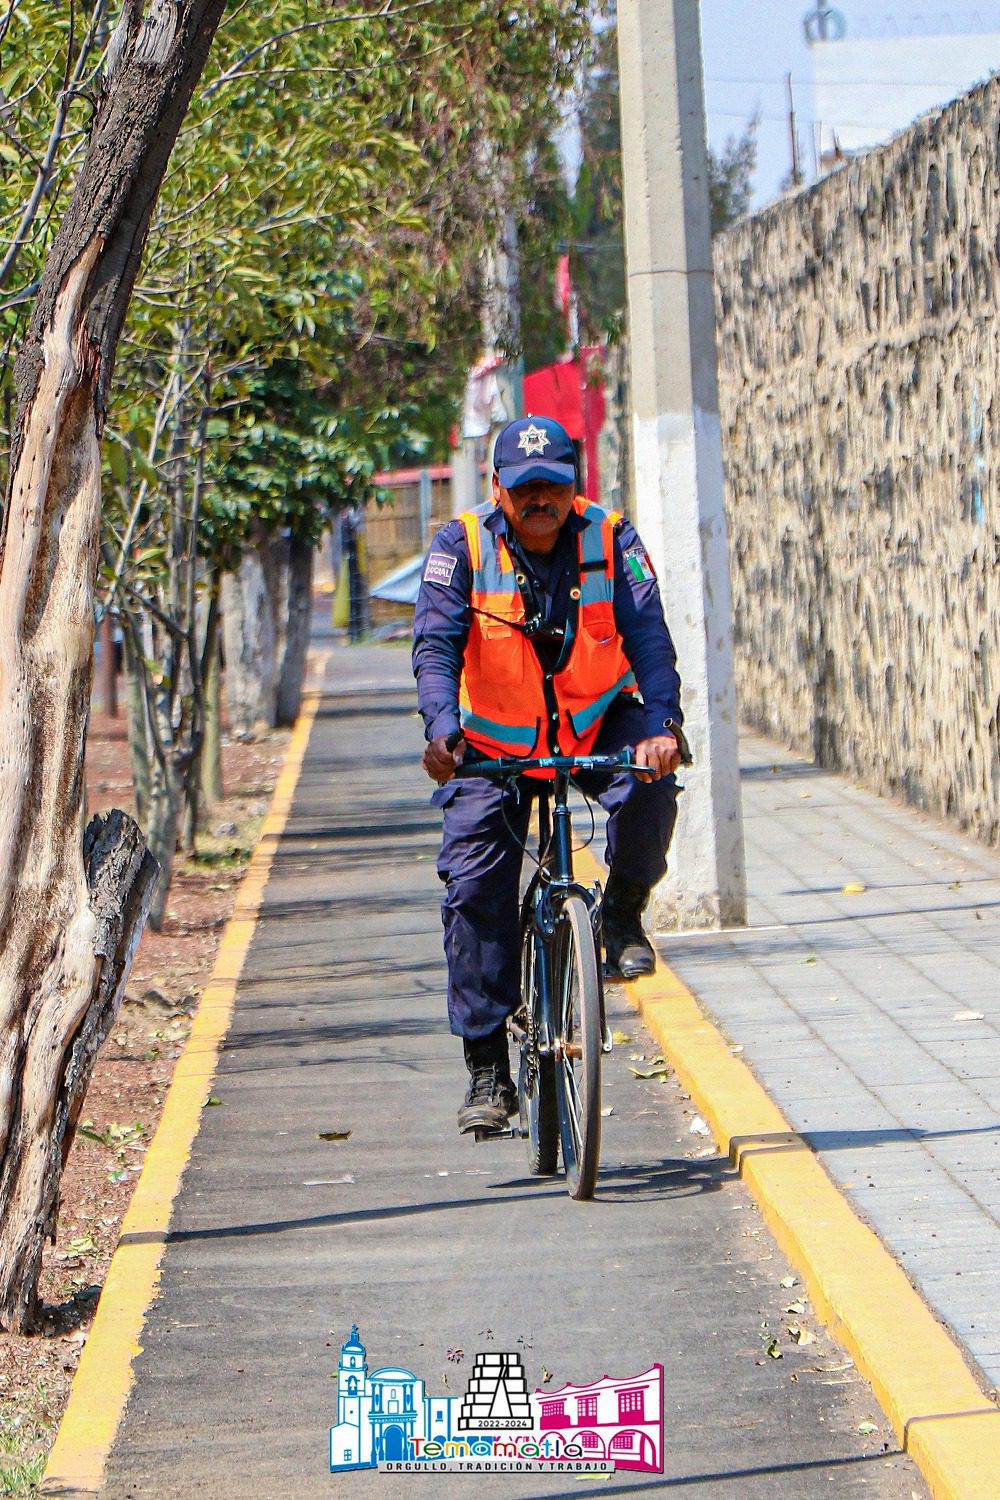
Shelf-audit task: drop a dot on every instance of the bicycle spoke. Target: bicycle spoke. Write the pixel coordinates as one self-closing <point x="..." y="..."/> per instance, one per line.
<point x="574" y="1110"/>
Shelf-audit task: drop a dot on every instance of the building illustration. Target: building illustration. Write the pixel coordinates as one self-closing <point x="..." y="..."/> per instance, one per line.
<point x="619" y="1419"/>
<point x="497" y="1396"/>
<point x="386" y="1415"/>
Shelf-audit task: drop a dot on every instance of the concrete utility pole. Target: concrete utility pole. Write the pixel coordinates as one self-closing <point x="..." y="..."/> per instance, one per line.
<point x="677" y="448"/>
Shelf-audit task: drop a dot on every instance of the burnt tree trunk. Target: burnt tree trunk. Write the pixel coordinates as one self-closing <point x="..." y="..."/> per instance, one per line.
<point x="70" y="917"/>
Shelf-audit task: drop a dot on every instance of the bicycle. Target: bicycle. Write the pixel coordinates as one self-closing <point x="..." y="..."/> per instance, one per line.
<point x="559" y="1026"/>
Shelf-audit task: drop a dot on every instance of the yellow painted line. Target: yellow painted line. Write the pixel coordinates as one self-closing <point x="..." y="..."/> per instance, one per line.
<point x="104" y="1377"/>
<point x="916" y="1368"/>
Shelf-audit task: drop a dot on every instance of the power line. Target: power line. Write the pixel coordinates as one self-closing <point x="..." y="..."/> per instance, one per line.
<point x="875" y="83"/>
<point x="838" y="123"/>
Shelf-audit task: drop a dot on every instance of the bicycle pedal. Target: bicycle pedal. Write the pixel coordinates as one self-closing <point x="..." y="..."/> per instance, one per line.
<point x="509" y="1133"/>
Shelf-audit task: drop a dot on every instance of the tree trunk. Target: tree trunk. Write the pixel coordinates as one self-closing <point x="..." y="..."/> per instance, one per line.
<point x="70" y="919"/>
<point x="248" y="622"/>
<point x="211" y="750"/>
<point x="59" y="1052"/>
<point x="298" y="617"/>
<point x="165" y="803"/>
<point x="138" y="739"/>
<point x="109" y="668"/>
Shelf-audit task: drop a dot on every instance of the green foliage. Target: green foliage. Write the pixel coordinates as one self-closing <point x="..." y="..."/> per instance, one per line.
<point x="25" y="1436"/>
<point x="543" y="232"/>
<point x="597" y="256"/>
<point x="595" y="236"/>
<point x="47" y="57"/>
<point x="328" y="202"/>
<point x="730" y="174"/>
<point x="289" y="457"/>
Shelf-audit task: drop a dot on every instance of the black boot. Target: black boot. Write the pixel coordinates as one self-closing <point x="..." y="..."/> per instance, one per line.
<point x="628" y="951"/>
<point x="492" y="1097"/>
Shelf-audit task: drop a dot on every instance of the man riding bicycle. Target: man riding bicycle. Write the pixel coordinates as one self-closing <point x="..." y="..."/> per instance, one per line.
<point x="539" y="630"/>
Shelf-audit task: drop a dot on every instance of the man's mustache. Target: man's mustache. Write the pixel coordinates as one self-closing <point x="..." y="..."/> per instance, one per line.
<point x="539" y="508"/>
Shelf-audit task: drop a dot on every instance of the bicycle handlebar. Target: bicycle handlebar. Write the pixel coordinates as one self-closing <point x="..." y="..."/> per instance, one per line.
<point x="511" y="765"/>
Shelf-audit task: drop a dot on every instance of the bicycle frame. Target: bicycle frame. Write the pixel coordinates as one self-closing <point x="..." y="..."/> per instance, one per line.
<point x="547" y="890"/>
<point x="555" y="859"/>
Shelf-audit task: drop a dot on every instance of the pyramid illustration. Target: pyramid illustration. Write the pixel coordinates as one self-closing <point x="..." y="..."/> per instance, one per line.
<point x="497" y="1395"/>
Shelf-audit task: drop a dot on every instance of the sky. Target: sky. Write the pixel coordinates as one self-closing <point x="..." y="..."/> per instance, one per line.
<point x="749" y="48"/>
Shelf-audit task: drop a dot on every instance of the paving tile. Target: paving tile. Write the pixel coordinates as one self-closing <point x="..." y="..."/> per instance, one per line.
<point x="861" y="1049"/>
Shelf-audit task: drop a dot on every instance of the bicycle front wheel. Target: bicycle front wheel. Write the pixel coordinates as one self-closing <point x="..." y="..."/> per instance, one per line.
<point x="536" y="1087"/>
<point x="576" y="989"/>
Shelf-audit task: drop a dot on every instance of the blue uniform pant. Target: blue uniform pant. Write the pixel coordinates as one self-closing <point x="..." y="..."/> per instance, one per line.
<point x="485" y="829"/>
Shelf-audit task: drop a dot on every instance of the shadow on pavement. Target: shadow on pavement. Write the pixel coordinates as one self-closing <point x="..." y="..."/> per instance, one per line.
<point x="690" y="1180"/>
<point x="373" y="905"/>
<point x="396" y="820"/>
<point x="344" y="969"/>
<point x="780" y="1141"/>
<point x="772" y="771"/>
<point x="365" y="709"/>
<point x="309" y="1036"/>
<point x="647" y="1486"/>
<point x="674" y="1177"/>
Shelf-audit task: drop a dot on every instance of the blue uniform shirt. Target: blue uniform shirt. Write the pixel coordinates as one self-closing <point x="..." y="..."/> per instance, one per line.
<point x="441" y="626"/>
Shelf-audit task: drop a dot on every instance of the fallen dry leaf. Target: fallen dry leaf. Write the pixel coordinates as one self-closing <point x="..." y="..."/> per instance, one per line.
<point x="656" y="1069"/>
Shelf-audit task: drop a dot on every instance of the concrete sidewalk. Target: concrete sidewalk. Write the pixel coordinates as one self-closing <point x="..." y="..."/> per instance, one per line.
<point x="872" y="1018"/>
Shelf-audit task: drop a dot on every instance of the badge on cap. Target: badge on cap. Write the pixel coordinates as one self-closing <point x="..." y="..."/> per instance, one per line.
<point x="533" y="440"/>
<point x="440" y="568"/>
<point x="638" y="564"/>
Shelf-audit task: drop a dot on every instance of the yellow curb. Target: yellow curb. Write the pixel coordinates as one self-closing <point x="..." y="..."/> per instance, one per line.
<point x="916" y="1369"/>
<point x="104" y="1377"/>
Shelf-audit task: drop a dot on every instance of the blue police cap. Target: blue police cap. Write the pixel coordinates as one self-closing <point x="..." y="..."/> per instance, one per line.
<point x="534" y="448"/>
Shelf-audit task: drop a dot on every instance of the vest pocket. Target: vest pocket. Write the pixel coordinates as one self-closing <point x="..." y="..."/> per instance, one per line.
<point x="499" y="655"/>
<point x="597" y="624"/>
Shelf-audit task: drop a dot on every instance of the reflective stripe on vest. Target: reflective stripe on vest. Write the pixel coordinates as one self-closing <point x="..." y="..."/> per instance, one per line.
<point x="502" y="697"/>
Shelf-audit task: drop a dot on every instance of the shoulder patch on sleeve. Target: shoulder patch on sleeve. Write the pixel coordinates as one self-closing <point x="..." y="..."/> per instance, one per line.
<point x="637" y="562"/>
<point x="439" y="568"/>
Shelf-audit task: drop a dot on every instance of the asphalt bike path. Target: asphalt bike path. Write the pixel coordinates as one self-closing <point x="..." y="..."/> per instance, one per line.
<point x="328" y="1187"/>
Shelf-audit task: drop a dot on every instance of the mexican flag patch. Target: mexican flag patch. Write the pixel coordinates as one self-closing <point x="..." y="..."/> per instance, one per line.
<point x="638" y="564"/>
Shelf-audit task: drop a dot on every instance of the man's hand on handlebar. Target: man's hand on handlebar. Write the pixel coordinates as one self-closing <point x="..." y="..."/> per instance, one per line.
<point x="661" y="753"/>
<point x="441" y="757"/>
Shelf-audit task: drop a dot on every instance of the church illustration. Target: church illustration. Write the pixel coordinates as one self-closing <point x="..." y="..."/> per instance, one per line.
<point x="380" y="1413"/>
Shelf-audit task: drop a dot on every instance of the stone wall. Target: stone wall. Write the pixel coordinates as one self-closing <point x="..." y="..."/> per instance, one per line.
<point x="859" y="362"/>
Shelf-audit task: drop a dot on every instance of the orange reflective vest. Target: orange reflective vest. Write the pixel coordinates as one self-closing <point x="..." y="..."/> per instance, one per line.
<point x="508" y="705"/>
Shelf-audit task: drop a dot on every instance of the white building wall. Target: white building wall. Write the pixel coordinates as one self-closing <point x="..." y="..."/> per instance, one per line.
<point x="866" y="89"/>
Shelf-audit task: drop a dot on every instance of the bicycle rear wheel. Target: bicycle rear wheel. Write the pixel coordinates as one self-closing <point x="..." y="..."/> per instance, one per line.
<point x="576" y="989"/>
<point x="536" y="1083"/>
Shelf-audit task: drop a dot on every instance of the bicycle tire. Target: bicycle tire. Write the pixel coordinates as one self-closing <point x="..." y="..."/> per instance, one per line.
<point x="536" y="1083"/>
<point x="576" y="989"/>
